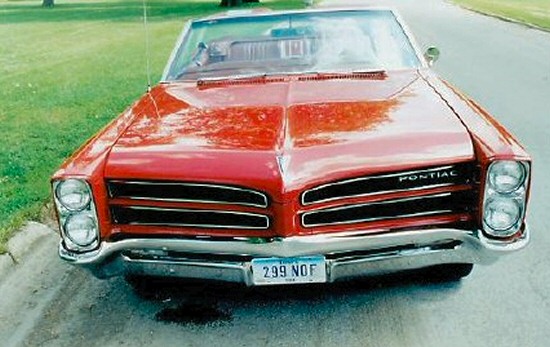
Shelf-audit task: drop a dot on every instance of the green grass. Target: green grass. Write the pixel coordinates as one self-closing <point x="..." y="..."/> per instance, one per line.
<point x="535" y="12"/>
<point x="64" y="73"/>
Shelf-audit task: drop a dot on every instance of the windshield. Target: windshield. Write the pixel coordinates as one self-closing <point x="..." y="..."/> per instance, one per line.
<point x="306" y="42"/>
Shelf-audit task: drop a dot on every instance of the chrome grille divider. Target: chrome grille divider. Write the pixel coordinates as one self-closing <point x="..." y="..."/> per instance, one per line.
<point x="160" y="216"/>
<point x="148" y="189"/>
<point x="412" y="180"/>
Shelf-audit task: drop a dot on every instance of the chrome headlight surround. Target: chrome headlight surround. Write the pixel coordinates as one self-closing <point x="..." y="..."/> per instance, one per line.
<point x="505" y="198"/>
<point x="77" y="220"/>
<point x="73" y="194"/>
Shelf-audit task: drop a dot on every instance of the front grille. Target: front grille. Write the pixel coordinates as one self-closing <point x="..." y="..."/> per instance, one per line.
<point x="197" y="218"/>
<point x="186" y="192"/>
<point x="430" y="205"/>
<point x="426" y="178"/>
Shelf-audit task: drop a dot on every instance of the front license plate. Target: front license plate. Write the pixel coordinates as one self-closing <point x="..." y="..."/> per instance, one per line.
<point x="289" y="270"/>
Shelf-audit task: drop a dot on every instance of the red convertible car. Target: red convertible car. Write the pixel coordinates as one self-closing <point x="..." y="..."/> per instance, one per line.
<point x="295" y="147"/>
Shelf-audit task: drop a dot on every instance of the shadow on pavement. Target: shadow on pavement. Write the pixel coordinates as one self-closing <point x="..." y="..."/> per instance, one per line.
<point x="199" y="302"/>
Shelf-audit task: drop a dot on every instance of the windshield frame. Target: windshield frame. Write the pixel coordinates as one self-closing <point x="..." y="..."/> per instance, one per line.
<point x="247" y="14"/>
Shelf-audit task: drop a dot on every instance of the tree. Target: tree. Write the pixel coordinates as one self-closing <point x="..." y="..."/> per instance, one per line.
<point x="47" y="3"/>
<point x="232" y="3"/>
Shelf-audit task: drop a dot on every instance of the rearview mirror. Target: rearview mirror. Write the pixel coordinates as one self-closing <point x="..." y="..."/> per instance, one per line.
<point x="431" y="55"/>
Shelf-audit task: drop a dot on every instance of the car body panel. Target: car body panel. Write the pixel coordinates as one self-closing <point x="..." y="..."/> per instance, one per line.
<point x="321" y="130"/>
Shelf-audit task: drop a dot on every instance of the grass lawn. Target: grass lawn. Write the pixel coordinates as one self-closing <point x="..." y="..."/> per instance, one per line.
<point x="64" y="73"/>
<point x="536" y="12"/>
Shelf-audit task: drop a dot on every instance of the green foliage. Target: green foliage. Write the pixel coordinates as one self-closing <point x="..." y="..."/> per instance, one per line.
<point x="535" y="12"/>
<point x="67" y="71"/>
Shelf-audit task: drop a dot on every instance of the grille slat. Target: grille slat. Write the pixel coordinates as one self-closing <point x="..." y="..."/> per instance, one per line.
<point x="140" y="215"/>
<point x="427" y="178"/>
<point x="431" y="205"/>
<point x="186" y="192"/>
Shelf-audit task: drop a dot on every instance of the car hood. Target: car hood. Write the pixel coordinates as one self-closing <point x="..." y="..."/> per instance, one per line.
<point x="295" y="132"/>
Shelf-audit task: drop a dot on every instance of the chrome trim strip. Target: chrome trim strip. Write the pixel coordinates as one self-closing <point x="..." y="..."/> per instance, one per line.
<point x="219" y="186"/>
<point x="412" y="249"/>
<point x="177" y="45"/>
<point x="374" y="219"/>
<point x="380" y="193"/>
<point x="412" y="39"/>
<point x="367" y="178"/>
<point x="266" y="218"/>
<point x="320" y="9"/>
<point x="387" y="202"/>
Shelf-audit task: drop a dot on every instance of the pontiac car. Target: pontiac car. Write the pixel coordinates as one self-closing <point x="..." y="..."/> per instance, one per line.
<point x="305" y="146"/>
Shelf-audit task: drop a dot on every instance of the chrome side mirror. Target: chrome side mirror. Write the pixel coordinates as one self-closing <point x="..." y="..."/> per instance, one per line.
<point x="431" y="55"/>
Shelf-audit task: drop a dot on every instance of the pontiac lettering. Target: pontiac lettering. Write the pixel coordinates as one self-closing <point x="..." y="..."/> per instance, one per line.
<point x="429" y="175"/>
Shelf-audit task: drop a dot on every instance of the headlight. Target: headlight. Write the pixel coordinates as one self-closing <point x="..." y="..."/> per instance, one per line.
<point x="73" y="194"/>
<point x="501" y="215"/>
<point x="81" y="229"/>
<point x="506" y="176"/>
<point x="505" y="198"/>
<point x="77" y="214"/>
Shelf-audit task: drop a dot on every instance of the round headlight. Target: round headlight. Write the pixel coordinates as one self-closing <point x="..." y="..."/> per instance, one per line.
<point x="506" y="176"/>
<point x="501" y="215"/>
<point x="73" y="194"/>
<point x="81" y="229"/>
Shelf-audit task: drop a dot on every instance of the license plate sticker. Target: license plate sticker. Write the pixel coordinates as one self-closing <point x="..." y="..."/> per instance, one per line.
<point x="310" y="269"/>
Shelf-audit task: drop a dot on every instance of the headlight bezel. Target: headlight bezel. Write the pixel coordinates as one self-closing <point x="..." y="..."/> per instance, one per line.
<point x="65" y="213"/>
<point x="518" y="196"/>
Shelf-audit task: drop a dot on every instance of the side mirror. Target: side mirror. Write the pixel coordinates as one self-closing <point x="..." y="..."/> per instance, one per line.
<point x="431" y="55"/>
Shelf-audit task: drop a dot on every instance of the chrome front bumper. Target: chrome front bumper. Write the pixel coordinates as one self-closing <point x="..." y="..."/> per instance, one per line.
<point x="347" y="255"/>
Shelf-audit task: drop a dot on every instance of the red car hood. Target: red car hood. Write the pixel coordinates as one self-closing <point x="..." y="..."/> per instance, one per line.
<point x="296" y="132"/>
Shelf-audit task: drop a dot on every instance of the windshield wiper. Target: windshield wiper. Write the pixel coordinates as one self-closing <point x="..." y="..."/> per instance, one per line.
<point x="266" y="75"/>
<point x="232" y="77"/>
<point x="358" y="74"/>
<point x="258" y="75"/>
<point x="369" y="71"/>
